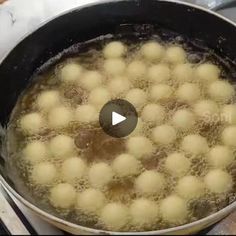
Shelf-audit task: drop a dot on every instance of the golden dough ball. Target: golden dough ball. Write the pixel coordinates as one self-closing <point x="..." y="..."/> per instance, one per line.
<point x="73" y="169"/>
<point x="207" y="73"/>
<point x="62" y="146"/>
<point x="150" y="182"/>
<point x="159" y="73"/>
<point x="99" y="97"/>
<point x="152" y="51"/>
<point x="153" y="113"/>
<point x="188" y="92"/>
<point x="118" y="86"/>
<point x="60" y="117"/>
<point x="175" y="55"/>
<point x="177" y="164"/>
<point x="100" y="174"/>
<point x="91" y="80"/>
<point x="35" y="151"/>
<point x="164" y="134"/>
<point x="218" y="181"/>
<point x="126" y="165"/>
<point x="183" y="73"/>
<point x="140" y="147"/>
<point x="114" y="49"/>
<point x="71" y="73"/>
<point x="143" y="212"/>
<point x="32" y="123"/>
<point x="44" y="173"/>
<point x="160" y="92"/>
<point x="48" y="100"/>
<point x="63" y="196"/>
<point x="184" y="119"/>
<point x="86" y="114"/>
<point x="137" y="70"/>
<point x="220" y="156"/>
<point x="174" y="210"/>
<point x="228" y="136"/>
<point x="194" y="144"/>
<point x="91" y="201"/>
<point x="190" y="187"/>
<point x="229" y="114"/>
<point x="114" y="66"/>
<point x="139" y="129"/>
<point x="221" y="91"/>
<point x="114" y="216"/>
<point x="137" y="97"/>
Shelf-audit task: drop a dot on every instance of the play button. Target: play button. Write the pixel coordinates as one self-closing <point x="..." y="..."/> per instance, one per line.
<point x="118" y="118"/>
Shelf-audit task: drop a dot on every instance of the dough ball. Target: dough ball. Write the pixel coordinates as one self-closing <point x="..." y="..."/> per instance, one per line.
<point x="190" y="187"/>
<point x="137" y="70"/>
<point x="150" y="182"/>
<point x="48" y="100"/>
<point x="62" y="146"/>
<point x="32" y="123"/>
<point x="60" y="117"/>
<point x="194" y="144"/>
<point x="175" y="55"/>
<point x="164" y="134"/>
<point x="218" y="181"/>
<point x="221" y="91"/>
<point x="63" y="196"/>
<point x="44" y="173"/>
<point x="183" y="73"/>
<point x="91" y="80"/>
<point x="229" y="136"/>
<point x="220" y="156"/>
<point x="188" y="92"/>
<point x="114" y="216"/>
<point x="114" y="66"/>
<point x="139" y="128"/>
<point x="118" y="86"/>
<point x="35" y="151"/>
<point x="100" y="174"/>
<point x="71" y="73"/>
<point x="137" y="97"/>
<point x="174" y="209"/>
<point x="126" y="165"/>
<point x="229" y="114"/>
<point x="143" y="212"/>
<point x="177" y="164"/>
<point x="73" y="169"/>
<point x="140" y="147"/>
<point x="99" y="97"/>
<point x="114" y="49"/>
<point x="86" y="114"/>
<point x="159" y="73"/>
<point x="91" y="201"/>
<point x="160" y="92"/>
<point x="207" y="73"/>
<point x="152" y="51"/>
<point x="183" y="119"/>
<point x="153" y="113"/>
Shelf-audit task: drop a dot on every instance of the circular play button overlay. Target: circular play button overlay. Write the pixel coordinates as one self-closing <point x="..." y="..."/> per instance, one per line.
<point x="118" y="118"/>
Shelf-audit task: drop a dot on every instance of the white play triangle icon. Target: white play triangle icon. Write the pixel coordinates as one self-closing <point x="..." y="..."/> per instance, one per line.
<point x="117" y="118"/>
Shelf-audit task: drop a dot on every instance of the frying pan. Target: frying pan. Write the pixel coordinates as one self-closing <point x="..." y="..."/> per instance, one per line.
<point x="89" y="22"/>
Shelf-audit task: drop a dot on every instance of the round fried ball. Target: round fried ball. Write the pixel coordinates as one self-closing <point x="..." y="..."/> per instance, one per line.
<point x="229" y="114"/>
<point x="159" y="73"/>
<point x="183" y="73"/>
<point x="207" y="73"/>
<point x="220" y="156"/>
<point x="188" y="92"/>
<point x="119" y="85"/>
<point x="221" y="91"/>
<point x="183" y="119"/>
<point x="218" y="181"/>
<point x="63" y="196"/>
<point x="140" y="147"/>
<point x="71" y="73"/>
<point x="91" y="80"/>
<point x="100" y="174"/>
<point x="228" y="136"/>
<point x="137" y="70"/>
<point x="175" y="55"/>
<point x="177" y="164"/>
<point x="137" y="97"/>
<point x="160" y="92"/>
<point x="150" y="182"/>
<point x="164" y="134"/>
<point x="86" y="114"/>
<point x="99" y="97"/>
<point x="114" y="66"/>
<point x="152" y="51"/>
<point x="114" y="49"/>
